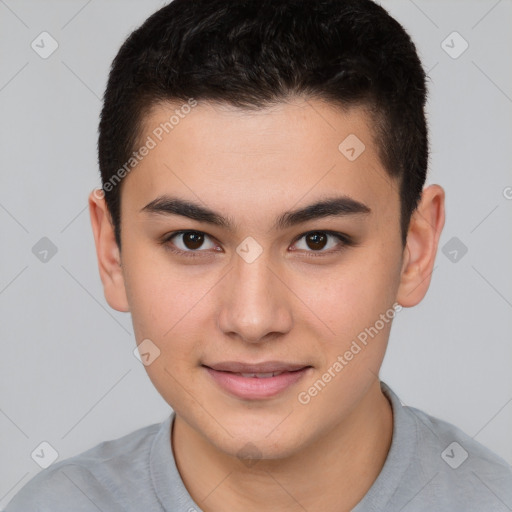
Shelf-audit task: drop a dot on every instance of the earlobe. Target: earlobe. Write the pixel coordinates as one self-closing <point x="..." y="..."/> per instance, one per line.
<point x="107" y="252"/>
<point x="425" y="229"/>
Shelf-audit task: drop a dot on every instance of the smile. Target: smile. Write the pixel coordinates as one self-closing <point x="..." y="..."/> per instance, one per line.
<point x="256" y="385"/>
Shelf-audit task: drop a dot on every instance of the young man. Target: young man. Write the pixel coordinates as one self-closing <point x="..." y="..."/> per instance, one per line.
<point x="263" y="219"/>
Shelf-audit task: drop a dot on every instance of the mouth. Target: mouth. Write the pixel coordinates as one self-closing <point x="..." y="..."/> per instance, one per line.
<point x="256" y="381"/>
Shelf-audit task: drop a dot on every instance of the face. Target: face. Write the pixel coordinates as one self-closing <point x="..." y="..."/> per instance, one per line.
<point x="248" y="288"/>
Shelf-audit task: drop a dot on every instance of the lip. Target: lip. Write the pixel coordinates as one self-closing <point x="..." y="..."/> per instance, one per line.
<point x="228" y="376"/>
<point x="263" y="367"/>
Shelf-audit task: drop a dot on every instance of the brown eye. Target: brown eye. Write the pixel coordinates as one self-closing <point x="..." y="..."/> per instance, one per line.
<point x="322" y="242"/>
<point x="189" y="242"/>
<point x="193" y="240"/>
<point x="316" y="240"/>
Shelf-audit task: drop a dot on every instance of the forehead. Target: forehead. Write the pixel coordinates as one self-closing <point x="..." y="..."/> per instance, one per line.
<point x="244" y="161"/>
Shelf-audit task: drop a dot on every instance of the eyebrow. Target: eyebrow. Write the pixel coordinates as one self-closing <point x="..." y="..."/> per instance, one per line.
<point x="340" y="206"/>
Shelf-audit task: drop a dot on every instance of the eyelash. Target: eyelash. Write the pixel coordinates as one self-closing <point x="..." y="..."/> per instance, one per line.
<point x="346" y="241"/>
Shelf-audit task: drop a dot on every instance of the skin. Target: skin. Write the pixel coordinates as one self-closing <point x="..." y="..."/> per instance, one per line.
<point x="286" y="306"/>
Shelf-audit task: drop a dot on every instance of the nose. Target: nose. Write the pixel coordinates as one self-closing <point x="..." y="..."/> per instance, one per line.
<point x="255" y="304"/>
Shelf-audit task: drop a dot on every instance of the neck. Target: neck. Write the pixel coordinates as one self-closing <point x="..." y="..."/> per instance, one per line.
<point x="331" y="474"/>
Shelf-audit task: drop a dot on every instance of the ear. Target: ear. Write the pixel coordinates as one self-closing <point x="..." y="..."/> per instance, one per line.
<point x="107" y="252"/>
<point x="425" y="228"/>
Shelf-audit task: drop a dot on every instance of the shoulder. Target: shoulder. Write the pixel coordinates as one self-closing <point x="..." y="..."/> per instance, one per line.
<point x="63" y="487"/>
<point x="461" y="468"/>
<point x="99" y="478"/>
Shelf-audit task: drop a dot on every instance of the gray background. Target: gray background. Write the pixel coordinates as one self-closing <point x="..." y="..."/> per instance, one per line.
<point x="68" y="375"/>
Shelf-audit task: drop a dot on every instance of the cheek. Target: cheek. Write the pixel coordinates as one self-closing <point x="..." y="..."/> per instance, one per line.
<point x="159" y="293"/>
<point x="164" y="307"/>
<point x="169" y="306"/>
<point x="357" y="304"/>
<point x="351" y="296"/>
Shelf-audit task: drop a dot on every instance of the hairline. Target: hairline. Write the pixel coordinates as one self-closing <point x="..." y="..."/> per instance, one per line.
<point x="373" y="117"/>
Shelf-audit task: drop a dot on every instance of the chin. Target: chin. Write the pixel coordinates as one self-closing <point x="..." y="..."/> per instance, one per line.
<point x="258" y="442"/>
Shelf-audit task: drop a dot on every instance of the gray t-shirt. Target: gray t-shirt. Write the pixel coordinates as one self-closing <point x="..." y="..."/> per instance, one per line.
<point x="431" y="466"/>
